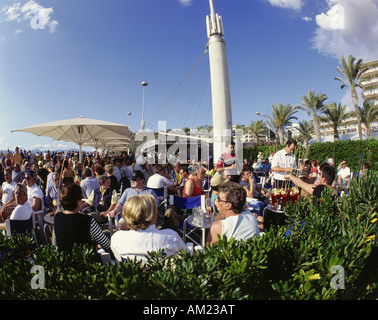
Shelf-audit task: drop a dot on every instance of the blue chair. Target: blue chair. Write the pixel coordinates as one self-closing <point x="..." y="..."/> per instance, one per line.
<point x="206" y="184"/>
<point x="162" y="194"/>
<point x="187" y="204"/>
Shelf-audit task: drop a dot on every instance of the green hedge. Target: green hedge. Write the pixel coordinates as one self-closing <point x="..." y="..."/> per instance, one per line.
<point x="354" y="152"/>
<point x="281" y="265"/>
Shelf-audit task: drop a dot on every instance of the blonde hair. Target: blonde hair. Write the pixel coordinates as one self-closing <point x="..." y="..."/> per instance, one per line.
<point x="140" y="211"/>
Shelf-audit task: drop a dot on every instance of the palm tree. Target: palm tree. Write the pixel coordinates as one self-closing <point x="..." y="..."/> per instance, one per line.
<point x="281" y="118"/>
<point x="351" y="74"/>
<point x="306" y="130"/>
<point x="369" y="114"/>
<point x="313" y="105"/>
<point x="335" y="116"/>
<point x="186" y="130"/>
<point x="257" y="128"/>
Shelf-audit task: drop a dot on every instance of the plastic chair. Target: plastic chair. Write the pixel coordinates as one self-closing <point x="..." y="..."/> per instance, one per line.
<point x="19" y="226"/>
<point x="39" y="224"/>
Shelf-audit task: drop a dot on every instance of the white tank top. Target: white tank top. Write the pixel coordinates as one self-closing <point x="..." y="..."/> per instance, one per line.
<point x="240" y="227"/>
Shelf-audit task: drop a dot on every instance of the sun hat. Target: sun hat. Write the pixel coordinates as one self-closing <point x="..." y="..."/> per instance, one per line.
<point x="217" y="180"/>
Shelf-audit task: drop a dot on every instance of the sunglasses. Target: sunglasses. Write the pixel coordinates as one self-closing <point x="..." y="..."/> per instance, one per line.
<point x="220" y="200"/>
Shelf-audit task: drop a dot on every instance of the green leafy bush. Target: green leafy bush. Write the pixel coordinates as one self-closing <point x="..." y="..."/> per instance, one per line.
<point x="292" y="262"/>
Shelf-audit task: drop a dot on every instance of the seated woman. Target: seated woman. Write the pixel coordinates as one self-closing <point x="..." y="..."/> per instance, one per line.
<point x="72" y="227"/>
<point x="193" y="186"/>
<point x="140" y="213"/>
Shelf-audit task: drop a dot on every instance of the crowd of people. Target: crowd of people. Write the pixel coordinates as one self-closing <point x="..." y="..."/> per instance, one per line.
<point x="77" y="198"/>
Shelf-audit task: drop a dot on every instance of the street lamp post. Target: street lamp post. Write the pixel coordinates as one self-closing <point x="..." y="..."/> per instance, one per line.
<point x="144" y="84"/>
<point x="129" y="114"/>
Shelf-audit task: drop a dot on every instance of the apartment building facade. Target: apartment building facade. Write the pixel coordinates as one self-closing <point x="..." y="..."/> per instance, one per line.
<point x="369" y="81"/>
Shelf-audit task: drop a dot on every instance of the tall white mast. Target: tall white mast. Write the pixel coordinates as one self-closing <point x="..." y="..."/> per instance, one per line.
<point x="220" y="83"/>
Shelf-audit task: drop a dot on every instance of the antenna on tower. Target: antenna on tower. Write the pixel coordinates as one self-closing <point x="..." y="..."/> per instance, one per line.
<point x="214" y="22"/>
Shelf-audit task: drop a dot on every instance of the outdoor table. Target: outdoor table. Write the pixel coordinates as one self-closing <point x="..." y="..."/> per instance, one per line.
<point x="206" y="224"/>
<point x="273" y="216"/>
<point x="49" y="219"/>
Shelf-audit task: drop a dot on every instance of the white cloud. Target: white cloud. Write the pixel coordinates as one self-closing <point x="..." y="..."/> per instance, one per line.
<point x="287" y="4"/>
<point x="348" y="27"/>
<point x="36" y="15"/>
<point x="307" y="19"/>
<point x="334" y="19"/>
<point x="186" y="3"/>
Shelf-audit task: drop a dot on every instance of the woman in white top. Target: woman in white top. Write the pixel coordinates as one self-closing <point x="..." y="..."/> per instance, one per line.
<point x="140" y="214"/>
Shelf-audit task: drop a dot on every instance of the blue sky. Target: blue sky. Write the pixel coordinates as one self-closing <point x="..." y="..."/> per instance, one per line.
<point x="89" y="57"/>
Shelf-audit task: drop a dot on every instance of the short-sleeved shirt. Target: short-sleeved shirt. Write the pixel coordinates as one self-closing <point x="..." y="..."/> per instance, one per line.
<point x="22" y="212"/>
<point x="18" y="176"/>
<point x="344" y="172"/>
<point x="130" y="192"/>
<point x="157" y="181"/>
<point x="8" y="191"/>
<point x="228" y="159"/>
<point x="88" y="185"/>
<point x="34" y="192"/>
<point x="246" y="184"/>
<point x="283" y="160"/>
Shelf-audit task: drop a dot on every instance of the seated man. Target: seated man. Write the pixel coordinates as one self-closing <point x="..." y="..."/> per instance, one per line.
<point x="343" y="172"/>
<point x="23" y="210"/>
<point x="109" y="168"/>
<point x="160" y="179"/>
<point x="194" y="186"/>
<point x="17" y="175"/>
<point x="137" y="188"/>
<point x="248" y="182"/>
<point x="266" y="166"/>
<point x="327" y="176"/>
<point x="52" y="194"/>
<point x="237" y="223"/>
<point x="175" y="173"/>
<point x="35" y="193"/>
<point x="102" y="200"/>
<point x="365" y="168"/>
<point x="7" y="188"/>
<point x="147" y="171"/>
<point x="89" y="183"/>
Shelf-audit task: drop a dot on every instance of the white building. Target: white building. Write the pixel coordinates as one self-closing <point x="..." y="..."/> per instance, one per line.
<point x="369" y="81"/>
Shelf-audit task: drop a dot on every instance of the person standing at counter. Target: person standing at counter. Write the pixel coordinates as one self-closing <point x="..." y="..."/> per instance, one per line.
<point x="283" y="162"/>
